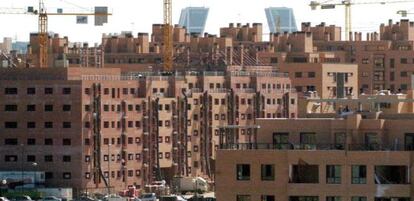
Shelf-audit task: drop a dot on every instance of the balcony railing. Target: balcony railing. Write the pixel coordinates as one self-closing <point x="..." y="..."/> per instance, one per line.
<point x="290" y="146"/>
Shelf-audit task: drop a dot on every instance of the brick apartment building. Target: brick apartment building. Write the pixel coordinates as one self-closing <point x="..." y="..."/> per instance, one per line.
<point x="91" y="128"/>
<point x="358" y="155"/>
<point x="383" y="58"/>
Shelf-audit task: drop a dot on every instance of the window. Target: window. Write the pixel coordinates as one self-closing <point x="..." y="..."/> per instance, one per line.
<point x="48" y="141"/>
<point x="67" y="175"/>
<point x="66" y="108"/>
<point x="10" y="158"/>
<point x="67" y="124"/>
<point x="404" y="74"/>
<point x="48" y="90"/>
<point x="67" y="158"/>
<point x="31" y="158"/>
<point x="10" y="124"/>
<point x="280" y="140"/>
<point x="10" y="108"/>
<point x="31" y="124"/>
<point x="66" y="142"/>
<point x="333" y="198"/>
<point x="243" y="172"/>
<point x="359" y="198"/>
<point x="10" y="141"/>
<point x="48" y="175"/>
<point x="308" y="140"/>
<point x="48" y="158"/>
<point x="31" y="141"/>
<point x="359" y="174"/>
<point x="371" y="141"/>
<point x="216" y="101"/>
<point x="10" y="91"/>
<point x="268" y="198"/>
<point x="48" y="124"/>
<point x="392" y="63"/>
<point x="31" y="91"/>
<point x="87" y="175"/>
<point x="339" y="140"/>
<point x="268" y="172"/>
<point x="311" y="74"/>
<point x="304" y="173"/>
<point x="243" y="198"/>
<point x="298" y="74"/>
<point x="31" y="108"/>
<point x="333" y="174"/>
<point x="303" y="198"/>
<point x="66" y="90"/>
<point x="391" y="174"/>
<point x="403" y="61"/>
<point x="48" y="108"/>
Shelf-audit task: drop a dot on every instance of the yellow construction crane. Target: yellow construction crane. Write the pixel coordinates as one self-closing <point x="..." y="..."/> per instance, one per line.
<point x="404" y="13"/>
<point x="168" y="37"/>
<point x="348" y="4"/>
<point x="43" y="22"/>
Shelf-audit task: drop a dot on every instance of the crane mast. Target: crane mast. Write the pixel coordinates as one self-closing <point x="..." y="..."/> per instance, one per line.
<point x="348" y="4"/>
<point x="43" y="36"/>
<point x="168" y="36"/>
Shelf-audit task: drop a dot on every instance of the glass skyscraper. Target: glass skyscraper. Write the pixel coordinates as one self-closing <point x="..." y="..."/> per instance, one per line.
<point x="281" y="19"/>
<point x="194" y="19"/>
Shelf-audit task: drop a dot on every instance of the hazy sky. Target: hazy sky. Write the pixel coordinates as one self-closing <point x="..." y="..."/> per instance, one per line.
<point x="139" y="15"/>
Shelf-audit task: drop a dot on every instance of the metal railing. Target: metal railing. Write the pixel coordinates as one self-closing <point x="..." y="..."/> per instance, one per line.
<point x="290" y="146"/>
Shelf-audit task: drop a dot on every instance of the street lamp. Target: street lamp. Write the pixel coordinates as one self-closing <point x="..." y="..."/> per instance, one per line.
<point x="3" y="183"/>
<point x="22" y="164"/>
<point x="109" y="169"/>
<point x="34" y="174"/>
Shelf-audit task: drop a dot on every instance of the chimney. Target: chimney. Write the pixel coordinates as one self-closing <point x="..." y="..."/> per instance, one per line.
<point x="289" y="47"/>
<point x="394" y="36"/>
<point x="376" y="36"/>
<point x="367" y="36"/>
<point x="350" y="36"/>
<point x="356" y="38"/>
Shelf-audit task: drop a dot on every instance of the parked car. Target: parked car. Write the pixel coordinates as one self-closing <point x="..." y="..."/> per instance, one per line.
<point x="148" y="197"/>
<point x="51" y="198"/>
<point x="22" y="198"/>
<point x="4" y="199"/>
